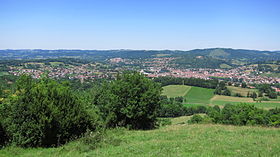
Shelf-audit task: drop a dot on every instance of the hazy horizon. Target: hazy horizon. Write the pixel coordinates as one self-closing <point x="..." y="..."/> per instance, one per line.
<point x="140" y="25"/>
<point x="139" y="49"/>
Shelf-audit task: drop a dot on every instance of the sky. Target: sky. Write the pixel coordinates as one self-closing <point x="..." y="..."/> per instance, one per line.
<point x="140" y="24"/>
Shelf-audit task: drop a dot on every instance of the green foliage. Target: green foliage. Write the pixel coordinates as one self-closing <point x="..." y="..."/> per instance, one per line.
<point x="222" y="90"/>
<point x="226" y="92"/>
<point x="274" y="115"/>
<point x="43" y="113"/>
<point x="238" y="95"/>
<point x="3" y="136"/>
<point x="254" y="95"/>
<point x="163" y="122"/>
<point x="243" y="85"/>
<point x="272" y="95"/>
<point x="174" y="108"/>
<point x="131" y="101"/>
<point x="197" y="82"/>
<point x="196" y="119"/>
<point x="245" y="114"/>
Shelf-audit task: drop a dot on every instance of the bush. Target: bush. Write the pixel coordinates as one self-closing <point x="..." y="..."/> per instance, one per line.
<point x="196" y="119"/>
<point x="171" y="107"/>
<point x="241" y="114"/>
<point x="163" y="122"/>
<point x="274" y="115"/>
<point x="131" y="101"/>
<point x="188" y="111"/>
<point x="43" y="113"/>
<point x="3" y="136"/>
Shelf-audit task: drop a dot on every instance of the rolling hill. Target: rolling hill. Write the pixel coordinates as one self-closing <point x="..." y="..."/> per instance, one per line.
<point x="177" y="139"/>
<point x="198" y="58"/>
<point x="193" y="95"/>
<point x="204" y="96"/>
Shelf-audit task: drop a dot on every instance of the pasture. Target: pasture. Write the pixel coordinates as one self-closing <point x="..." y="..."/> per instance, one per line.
<point x="175" y="90"/>
<point x="178" y="139"/>
<point x="203" y="96"/>
<point x="221" y="100"/>
<point x="192" y="95"/>
<point x="242" y="91"/>
<point x="198" y="95"/>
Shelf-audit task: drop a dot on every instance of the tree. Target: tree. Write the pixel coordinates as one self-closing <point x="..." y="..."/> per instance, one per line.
<point x="254" y="95"/>
<point x="179" y="99"/>
<point x="236" y="85"/>
<point x="43" y="113"/>
<point x="243" y="85"/>
<point x="272" y="95"/>
<point x="248" y="94"/>
<point x="222" y="85"/>
<point x="260" y="94"/>
<point x="218" y="91"/>
<point x="226" y="92"/>
<point x="132" y="101"/>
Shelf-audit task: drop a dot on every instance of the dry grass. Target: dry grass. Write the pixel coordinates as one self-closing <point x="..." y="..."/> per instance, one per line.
<point x="231" y="99"/>
<point x="242" y="91"/>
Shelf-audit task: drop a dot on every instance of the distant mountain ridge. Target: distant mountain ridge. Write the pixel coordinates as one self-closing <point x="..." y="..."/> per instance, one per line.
<point x="192" y="58"/>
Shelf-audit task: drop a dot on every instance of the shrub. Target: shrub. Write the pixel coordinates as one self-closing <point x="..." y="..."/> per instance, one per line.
<point x="274" y="115"/>
<point x="43" y="113"/>
<point x="130" y="101"/>
<point x="163" y="122"/>
<point x="3" y="136"/>
<point x="196" y="119"/>
<point x="241" y="114"/>
<point x="188" y="111"/>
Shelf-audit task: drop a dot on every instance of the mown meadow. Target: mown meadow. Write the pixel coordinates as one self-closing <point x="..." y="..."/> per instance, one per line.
<point x="204" y="96"/>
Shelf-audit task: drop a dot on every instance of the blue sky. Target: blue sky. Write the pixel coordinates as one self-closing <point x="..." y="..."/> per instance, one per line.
<point x="140" y="24"/>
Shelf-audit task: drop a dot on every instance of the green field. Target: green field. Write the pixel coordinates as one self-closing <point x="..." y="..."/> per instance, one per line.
<point x="222" y="100"/>
<point x="56" y="63"/>
<point x="204" y="96"/>
<point x="198" y="95"/>
<point x="193" y="95"/>
<point x="265" y="105"/>
<point x="242" y="91"/>
<point x="4" y="73"/>
<point x="201" y="140"/>
<point x="175" y="90"/>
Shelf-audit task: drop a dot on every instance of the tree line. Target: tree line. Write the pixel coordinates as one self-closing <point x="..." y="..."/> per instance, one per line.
<point x="164" y="81"/>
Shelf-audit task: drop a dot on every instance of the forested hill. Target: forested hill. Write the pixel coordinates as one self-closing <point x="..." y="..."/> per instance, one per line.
<point x="193" y="58"/>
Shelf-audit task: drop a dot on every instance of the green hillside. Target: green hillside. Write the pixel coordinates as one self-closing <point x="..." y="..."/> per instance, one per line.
<point x="193" y="95"/>
<point x="204" y="96"/>
<point x="242" y="91"/>
<point x="175" y="90"/>
<point x="174" y="140"/>
<point x="198" y="95"/>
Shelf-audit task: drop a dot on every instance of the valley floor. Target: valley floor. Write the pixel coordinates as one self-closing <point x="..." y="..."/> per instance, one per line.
<point x="178" y="139"/>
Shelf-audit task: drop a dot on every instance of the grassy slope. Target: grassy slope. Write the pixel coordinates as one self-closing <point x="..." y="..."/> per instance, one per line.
<point x="198" y="95"/>
<point x="204" y="140"/>
<point x="175" y="90"/>
<point x="242" y="91"/>
<point x="3" y="73"/>
<point x="204" y="96"/>
<point x="222" y="100"/>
